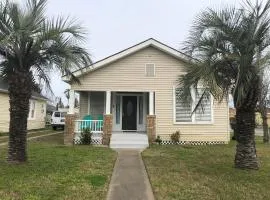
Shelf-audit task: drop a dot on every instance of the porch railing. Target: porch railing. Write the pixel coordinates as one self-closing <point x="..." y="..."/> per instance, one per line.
<point x="95" y="126"/>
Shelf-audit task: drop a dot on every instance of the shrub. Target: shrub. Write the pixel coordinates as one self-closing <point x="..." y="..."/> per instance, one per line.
<point x="158" y="140"/>
<point x="175" y="137"/>
<point x="86" y="136"/>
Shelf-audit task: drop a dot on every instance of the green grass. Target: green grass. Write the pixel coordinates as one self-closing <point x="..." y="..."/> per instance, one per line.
<point x="32" y="134"/>
<point x="55" y="171"/>
<point x="205" y="172"/>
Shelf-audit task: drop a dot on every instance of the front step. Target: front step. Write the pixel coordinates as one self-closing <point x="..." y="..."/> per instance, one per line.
<point x="129" y="141"/>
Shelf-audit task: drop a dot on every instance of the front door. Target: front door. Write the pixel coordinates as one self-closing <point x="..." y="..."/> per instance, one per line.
<point x="129" y="114"/>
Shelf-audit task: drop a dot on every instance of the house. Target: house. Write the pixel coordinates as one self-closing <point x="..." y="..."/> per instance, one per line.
<point x="136" y="91"/>
<point x="37" y="112"/>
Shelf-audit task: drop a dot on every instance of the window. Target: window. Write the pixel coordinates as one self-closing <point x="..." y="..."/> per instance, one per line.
<point x="32" y="105"/>
<point x="183" y="111"/>
<point x="203" y="113"/>
<point x="150" y="70"/>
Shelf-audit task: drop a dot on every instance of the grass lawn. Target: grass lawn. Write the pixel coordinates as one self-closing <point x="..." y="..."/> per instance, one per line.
<point x="31" y="134"/>
<point x="55" y="171"/>
<point x="205" y="172"/>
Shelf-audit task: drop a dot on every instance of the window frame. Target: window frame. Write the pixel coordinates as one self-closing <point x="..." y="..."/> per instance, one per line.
<point x="31" y="101"/>
<point x="193" y="117"/>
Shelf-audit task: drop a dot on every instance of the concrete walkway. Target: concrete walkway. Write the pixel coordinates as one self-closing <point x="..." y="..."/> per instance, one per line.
<point x="129" y="180"/>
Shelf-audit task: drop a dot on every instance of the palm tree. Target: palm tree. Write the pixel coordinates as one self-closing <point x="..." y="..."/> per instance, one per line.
<point x="229" y="47"/>
<point x="31" y="46"/>
<point x="263" y="104"/>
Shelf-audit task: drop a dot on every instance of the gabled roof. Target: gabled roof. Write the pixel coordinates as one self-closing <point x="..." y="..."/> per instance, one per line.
<point x="4" y="89"/>
<point x="147" y="43"/>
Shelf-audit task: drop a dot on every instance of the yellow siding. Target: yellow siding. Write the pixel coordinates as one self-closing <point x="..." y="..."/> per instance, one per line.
<point x="4" y="112"/>
<point x="128" y="74"/>
<point x="39" y="120"/>
<point x="36" y="123"/>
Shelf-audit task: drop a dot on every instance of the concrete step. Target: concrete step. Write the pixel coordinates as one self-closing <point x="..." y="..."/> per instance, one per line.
<point x="129" y="146"/>
<point x="129" y="141"/>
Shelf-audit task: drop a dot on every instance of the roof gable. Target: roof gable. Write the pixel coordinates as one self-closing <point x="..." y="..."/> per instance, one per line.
<point x="131" y="50"/>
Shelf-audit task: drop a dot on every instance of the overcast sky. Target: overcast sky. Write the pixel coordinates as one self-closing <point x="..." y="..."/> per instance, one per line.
<point x="115" y="25"/>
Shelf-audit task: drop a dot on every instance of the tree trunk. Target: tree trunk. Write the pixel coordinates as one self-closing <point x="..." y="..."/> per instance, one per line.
<point x="19" y="95"/>
<point x="246" y="157"/>
<point x="265" y="129"/>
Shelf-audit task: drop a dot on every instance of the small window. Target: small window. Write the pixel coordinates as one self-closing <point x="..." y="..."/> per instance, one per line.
<point x="150" y="70"/>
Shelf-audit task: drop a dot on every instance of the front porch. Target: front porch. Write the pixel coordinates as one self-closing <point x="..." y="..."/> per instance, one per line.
<point x="123" y="115"/>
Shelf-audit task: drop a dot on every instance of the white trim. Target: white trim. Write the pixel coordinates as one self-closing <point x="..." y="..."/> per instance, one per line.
<point x="151" y="103"/>
<point x="193" y="120"/>
<point x="150" y="42"/>
<point x="108" y="102"/>
<point x="71" y="101"/>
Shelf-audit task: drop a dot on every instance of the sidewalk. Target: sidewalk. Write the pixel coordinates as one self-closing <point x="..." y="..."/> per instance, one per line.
<point x="129" y="180"/>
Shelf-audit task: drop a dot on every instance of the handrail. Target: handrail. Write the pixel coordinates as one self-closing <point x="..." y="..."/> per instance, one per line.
<point x="95" y="126"/>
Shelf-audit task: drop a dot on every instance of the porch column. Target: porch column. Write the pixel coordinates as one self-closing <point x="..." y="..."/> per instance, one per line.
<point x="107" y="120"/>
<point x="70" y="120"/>
<point x="151" y="120"/>
<point x="71" y="101"/>
<point x="108" y="102"/>
<point x="151" y="103"/>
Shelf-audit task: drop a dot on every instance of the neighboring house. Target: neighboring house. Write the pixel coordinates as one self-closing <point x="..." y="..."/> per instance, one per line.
<point x="37" y="112"/>
<point x="50" y="108"/>
<point x="138" y="88"/>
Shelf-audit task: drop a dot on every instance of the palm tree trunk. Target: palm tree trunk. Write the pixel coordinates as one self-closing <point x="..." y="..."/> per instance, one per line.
<point x="19" y="94"/>
<point x="265" y="129"/>
<point x="245" y="157"/>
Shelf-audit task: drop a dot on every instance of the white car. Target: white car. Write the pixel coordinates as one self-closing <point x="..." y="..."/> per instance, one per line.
<point x="58" y="120"/>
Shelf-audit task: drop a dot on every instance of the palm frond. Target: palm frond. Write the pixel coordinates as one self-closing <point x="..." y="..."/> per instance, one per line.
<point x="31" y="42"/>
<point x="230" y="46"/>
